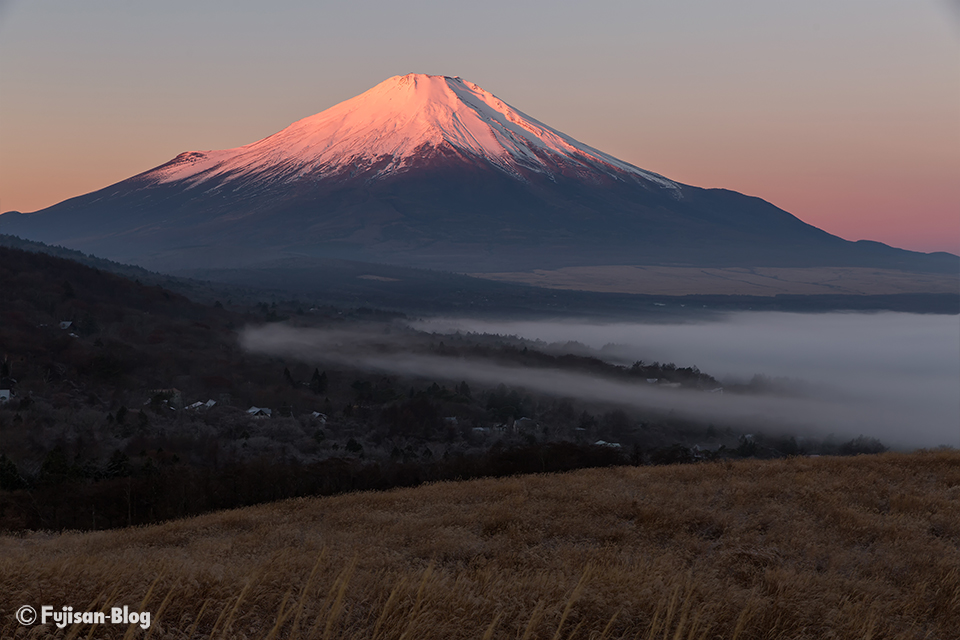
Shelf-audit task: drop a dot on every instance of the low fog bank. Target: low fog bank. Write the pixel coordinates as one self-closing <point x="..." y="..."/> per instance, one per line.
<point x="897" y="375"/>
<point x="890" y="376"/>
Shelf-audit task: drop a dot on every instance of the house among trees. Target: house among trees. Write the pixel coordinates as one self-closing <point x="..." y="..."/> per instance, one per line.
<point x="171" y="397"/>
<point x="524" y="425"/>
<point x="4" y="395"/>
<point x="604" y="443"/>
<point x="259" y="412"/>
<point x="202" y="405"/>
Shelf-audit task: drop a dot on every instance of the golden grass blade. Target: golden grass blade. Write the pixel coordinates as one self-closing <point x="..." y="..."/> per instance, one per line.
<point x="75" y="629"/>
<point x="295" y="627"/>
<point x="106" y="604"/>
<point x="131" y="629"/>
<point x="655" y="621"/>
<point x="535" y="618"/>
<point x="609" y="627"/>
<point x="337" y="608"/>
<point x="196" y="621"/>
<point x="488" y="634"/>
<point x="233" y="610"/>
<point x="684" y="612"/>
<point x="743" y="619"/>
<point x="155" y="618"/>
<point x="281" y="616"/>
<point x="418" y="605"/>
<point x="575" y="629"/>
<point x="387" y="607"/>
<point x="695" y="625"/>
<point x="573" y="598"/>
<point x="671" y="610"/>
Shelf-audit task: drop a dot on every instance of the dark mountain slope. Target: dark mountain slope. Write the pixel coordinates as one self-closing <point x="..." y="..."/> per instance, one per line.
<point x="435" y="172"/>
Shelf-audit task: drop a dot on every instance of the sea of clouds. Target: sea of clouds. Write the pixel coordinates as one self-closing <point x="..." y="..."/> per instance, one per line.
<point x="891" y="376"/>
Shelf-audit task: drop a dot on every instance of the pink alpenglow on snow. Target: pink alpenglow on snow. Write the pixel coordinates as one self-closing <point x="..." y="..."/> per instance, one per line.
<point x="403" y="118"/>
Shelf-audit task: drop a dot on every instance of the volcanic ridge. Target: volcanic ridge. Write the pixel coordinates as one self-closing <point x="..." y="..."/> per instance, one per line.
<point x="435" y="172"/>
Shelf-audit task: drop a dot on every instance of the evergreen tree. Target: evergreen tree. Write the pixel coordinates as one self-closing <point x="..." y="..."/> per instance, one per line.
<point x="119" y="465"/>
<point x="318" y="383"/>
<point x="55" y="467"/>
<point x="10" y="478"/>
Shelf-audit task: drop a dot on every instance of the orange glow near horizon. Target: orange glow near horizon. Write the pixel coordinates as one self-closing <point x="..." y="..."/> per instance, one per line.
<point x="917" y="208"/>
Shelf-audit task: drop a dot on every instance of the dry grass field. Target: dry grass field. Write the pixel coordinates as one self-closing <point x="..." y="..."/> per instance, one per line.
<point x="864" y="547"/>
<point x="754" y="281"/>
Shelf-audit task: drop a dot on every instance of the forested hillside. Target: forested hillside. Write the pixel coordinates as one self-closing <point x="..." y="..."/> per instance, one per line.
<point x="131" y="404"/>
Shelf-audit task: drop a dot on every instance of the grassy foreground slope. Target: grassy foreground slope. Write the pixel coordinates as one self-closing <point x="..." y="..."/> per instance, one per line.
<point x="864" y="547"/>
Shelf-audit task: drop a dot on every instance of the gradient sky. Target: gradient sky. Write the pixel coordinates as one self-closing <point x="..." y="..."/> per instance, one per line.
<point x="844" y="112"/>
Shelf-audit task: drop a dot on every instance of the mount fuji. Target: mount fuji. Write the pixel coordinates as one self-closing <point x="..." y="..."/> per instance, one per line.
<point x="434" y="172"/>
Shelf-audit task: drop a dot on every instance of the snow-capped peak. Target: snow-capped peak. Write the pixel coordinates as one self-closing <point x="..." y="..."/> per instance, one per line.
<point x="396" y="122"/>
